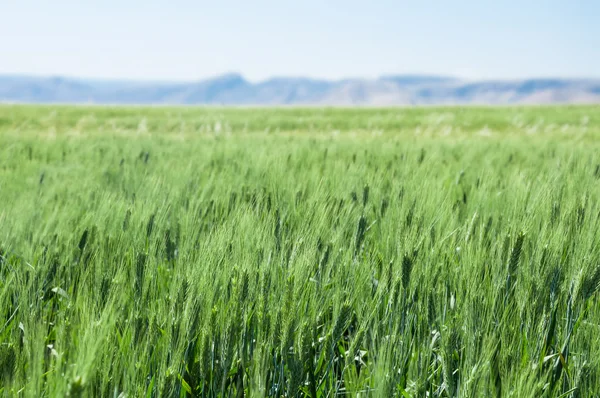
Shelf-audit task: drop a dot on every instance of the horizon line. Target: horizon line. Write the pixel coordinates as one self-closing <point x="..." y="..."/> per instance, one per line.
<point x="292" y="77"/>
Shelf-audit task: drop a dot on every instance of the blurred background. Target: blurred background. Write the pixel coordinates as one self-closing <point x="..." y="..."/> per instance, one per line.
<point x="300" y="53"/>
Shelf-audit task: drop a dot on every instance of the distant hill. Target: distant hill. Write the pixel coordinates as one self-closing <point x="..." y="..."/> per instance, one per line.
<point x="233" y="89"/>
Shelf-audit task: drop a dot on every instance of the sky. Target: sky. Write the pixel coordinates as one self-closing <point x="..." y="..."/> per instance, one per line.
<point x="196" y="39"/>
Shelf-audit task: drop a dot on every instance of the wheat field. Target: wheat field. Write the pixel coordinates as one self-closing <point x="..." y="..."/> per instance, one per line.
<point x="281" y="252"/>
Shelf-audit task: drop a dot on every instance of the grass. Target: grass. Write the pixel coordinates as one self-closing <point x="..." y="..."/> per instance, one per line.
<point x="436" y="252"/>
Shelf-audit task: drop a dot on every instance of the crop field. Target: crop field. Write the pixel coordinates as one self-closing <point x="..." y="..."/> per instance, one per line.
<point x="417" y="252"/>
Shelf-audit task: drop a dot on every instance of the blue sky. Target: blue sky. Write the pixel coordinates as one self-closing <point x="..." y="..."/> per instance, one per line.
<point x="186" y="39"/>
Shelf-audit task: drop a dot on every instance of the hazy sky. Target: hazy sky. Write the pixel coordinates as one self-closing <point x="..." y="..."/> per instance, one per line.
<point x="187" y="39"/>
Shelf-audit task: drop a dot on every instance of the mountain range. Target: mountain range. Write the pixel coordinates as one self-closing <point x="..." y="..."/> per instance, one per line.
<point x="234" y="89"/>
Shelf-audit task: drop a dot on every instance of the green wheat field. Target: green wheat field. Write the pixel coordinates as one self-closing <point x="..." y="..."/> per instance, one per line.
<point x="281" y="252"/>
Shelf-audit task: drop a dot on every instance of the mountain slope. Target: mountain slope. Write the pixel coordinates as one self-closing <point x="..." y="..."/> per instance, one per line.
<point x="233" y="89"/>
